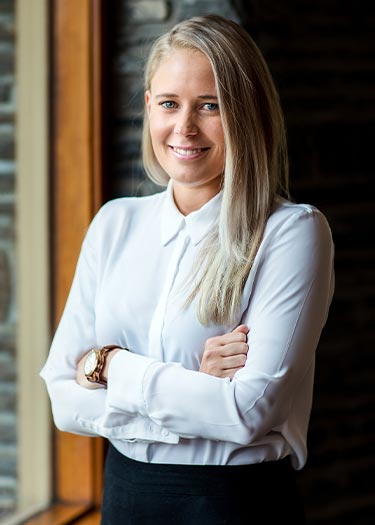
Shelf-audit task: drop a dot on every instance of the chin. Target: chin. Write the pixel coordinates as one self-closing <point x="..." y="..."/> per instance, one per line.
<point x="188" y="180"/>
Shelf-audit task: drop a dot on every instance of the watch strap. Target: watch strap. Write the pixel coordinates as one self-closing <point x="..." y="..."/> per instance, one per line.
<point x="101" y="353"/>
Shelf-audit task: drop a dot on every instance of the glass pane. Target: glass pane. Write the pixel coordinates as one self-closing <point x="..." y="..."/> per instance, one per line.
<point x="8" y="443"/>
<point x="24" y="313"/>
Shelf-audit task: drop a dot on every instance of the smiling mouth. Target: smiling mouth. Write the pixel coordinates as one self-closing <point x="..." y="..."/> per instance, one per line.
<point x="188" y="152"/>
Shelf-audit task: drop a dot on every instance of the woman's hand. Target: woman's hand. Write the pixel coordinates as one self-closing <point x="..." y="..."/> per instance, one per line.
<point x="225" y="354"/>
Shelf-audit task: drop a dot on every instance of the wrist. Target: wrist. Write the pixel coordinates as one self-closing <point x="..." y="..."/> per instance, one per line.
<point x="108" y="360"/>
<point x="96" y="364"/>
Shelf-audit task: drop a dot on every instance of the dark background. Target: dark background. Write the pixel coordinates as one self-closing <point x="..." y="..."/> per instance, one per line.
<point x="321" y="55"/>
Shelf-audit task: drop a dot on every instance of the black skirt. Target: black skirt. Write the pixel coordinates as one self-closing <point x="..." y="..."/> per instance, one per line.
<point x="137" y="493"/>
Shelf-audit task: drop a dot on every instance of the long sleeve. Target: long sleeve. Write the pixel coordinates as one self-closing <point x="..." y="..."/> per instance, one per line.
<point x="75" y="335"/>
<point x="76" y="409"/>
<point x="288" y="306"/>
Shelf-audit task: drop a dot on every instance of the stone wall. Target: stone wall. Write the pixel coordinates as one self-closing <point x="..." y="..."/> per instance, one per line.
<point x="321" y="55"/>
<point x="7" y="263"/>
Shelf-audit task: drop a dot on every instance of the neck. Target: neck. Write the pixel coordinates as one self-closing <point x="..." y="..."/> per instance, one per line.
<point x="189" y="199"/>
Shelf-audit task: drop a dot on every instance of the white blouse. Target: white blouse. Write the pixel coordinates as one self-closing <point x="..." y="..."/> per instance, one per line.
<point x="129" y="290"/>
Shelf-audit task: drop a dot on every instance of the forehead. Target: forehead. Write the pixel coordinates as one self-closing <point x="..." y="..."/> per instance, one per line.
<point x="184" y="69"/>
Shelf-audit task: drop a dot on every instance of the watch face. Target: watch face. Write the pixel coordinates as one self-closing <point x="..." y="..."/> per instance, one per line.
<point x="90" y="363"/>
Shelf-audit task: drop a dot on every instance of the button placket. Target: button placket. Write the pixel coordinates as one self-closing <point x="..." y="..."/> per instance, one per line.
<point x="157" y="323"/>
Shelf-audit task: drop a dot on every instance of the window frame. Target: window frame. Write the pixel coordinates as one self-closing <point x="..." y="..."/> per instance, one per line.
<point x="77" y="151"/>
<point x="77" y="38"/>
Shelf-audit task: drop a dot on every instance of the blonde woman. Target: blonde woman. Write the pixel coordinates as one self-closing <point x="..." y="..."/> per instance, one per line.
<point x="189" y="335"/>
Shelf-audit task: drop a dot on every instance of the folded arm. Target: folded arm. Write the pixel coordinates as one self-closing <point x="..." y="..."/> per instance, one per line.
<point x="288" y="308"/>
<point x="150" y="400"/>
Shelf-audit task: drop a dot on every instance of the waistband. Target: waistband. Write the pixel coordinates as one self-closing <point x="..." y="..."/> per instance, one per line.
<point x="207" y="479"/>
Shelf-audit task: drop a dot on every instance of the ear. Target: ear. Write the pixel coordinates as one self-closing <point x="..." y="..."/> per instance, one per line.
<point x="148" y="101"/>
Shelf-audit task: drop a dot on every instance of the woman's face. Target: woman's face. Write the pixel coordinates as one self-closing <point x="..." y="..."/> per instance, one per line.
<point x="185" y="123"/>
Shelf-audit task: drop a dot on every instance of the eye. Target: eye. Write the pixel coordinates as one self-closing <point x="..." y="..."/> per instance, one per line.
<point x="211" y="106"/>
<point x="168" y="104"/>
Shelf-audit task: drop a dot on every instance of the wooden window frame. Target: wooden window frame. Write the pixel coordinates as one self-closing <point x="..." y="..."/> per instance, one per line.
<point x="78" y="77"/>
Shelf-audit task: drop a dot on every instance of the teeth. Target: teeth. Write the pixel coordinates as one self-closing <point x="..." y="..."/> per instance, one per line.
<point x="187" y="152"/>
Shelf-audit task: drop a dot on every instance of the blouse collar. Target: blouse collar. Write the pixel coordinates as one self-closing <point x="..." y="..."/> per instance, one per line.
<point x="198" y="223"/>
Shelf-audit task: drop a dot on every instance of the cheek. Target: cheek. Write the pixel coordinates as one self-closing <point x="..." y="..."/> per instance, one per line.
<point x="217" y="134"/>
<point x="220" y="143"/>
<point x="158" y="131"/>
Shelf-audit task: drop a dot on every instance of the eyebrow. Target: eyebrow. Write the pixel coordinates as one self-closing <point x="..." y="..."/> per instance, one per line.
<point x="174" y="95"/>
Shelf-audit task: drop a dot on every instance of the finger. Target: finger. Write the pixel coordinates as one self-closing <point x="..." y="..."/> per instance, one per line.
<point x="230" y="372"/>
<point x="231" y="337"/>
<point x="232" y="349"/>
<point x="242" y="328"/>
<point x="234" y="361"/>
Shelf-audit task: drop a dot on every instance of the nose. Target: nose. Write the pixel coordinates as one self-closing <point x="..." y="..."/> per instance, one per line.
<point x="185" y="124"/>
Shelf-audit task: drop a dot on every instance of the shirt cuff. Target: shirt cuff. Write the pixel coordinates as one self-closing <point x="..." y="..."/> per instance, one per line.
<point x="126" y="374"/>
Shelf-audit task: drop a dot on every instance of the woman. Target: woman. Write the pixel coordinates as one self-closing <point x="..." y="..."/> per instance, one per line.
<point x="204" y="304"/>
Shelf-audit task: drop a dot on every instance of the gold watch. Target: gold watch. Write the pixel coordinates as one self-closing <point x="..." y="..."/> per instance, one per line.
<point x="95" y="361"/>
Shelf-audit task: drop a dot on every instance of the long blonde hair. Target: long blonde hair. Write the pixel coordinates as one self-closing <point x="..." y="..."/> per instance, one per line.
<point x="256" y="165"/>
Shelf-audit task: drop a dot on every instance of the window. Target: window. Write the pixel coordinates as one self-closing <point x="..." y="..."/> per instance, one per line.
<point x="24" y="330"/>
<point x="53" y="203"/>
